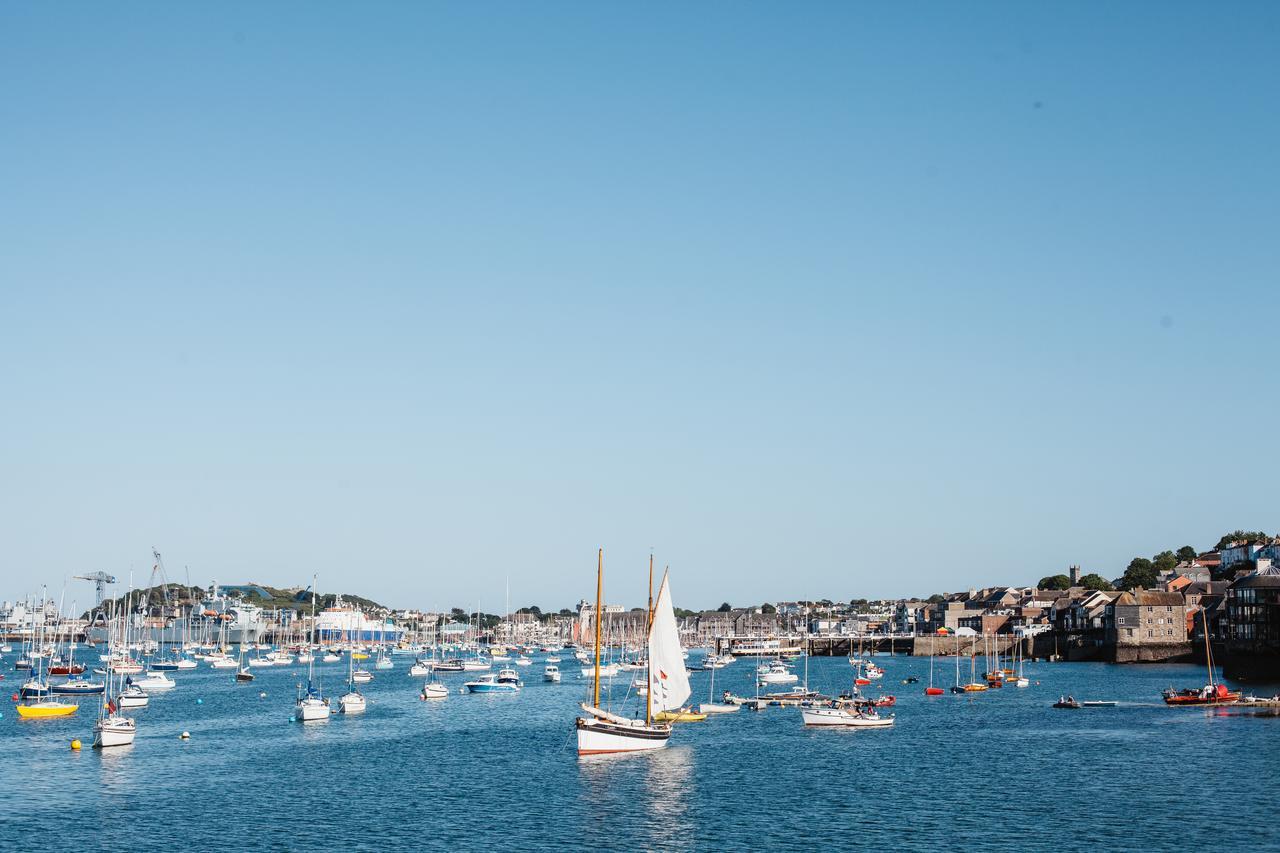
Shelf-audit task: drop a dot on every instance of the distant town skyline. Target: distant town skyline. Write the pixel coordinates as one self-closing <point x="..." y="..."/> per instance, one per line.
<point x="832" y="302"/>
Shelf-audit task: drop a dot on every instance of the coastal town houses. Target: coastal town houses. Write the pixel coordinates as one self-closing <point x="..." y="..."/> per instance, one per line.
<point x="1248" y="551"/>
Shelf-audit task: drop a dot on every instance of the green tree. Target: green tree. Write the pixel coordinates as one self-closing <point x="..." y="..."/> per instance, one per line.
<point x="768" y="608"/>
<point x="1186" y="554"/>
<point x="1140" y="574"/>
<point x="1164" y="561"/>
<point x="936" y="598"/>
<point x="1054" y="582"/>
<point x="1094" y="581"/>
<point x="1237" y="536"/>
<point x="724" y="608"/>
<point x="564" y="611"/>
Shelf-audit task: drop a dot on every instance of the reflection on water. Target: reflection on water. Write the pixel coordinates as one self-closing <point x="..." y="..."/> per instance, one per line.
<point x="114" y="768"/>
<point x="668" y="789"/>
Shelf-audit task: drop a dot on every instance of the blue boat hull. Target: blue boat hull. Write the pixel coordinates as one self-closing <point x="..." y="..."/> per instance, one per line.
<point x="79" y="689"/>
<point x="493" y="688"/>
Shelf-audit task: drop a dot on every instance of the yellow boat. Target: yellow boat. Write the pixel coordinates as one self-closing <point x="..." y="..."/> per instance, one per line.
<point x="682" y="716"/>
<point x="359" y="656"/>
<point x="51" y="708"/>
<point x="974" y="688"/>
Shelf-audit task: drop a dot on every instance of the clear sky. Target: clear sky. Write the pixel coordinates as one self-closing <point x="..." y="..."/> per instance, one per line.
<point x="816" y="300"/>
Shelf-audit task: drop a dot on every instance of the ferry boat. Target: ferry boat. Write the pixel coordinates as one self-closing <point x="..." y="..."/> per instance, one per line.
<point x="344" y="623"/>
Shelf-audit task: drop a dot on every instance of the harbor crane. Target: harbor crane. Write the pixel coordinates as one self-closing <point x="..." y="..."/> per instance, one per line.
<point x="100" y="581"/>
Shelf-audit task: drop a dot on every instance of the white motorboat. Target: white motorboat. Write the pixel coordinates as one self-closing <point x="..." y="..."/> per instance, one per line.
<point x="419" y="669"/>
<point x="261" y="663"/>
<point x="778" y="674"/>
<point x="553" y="659"/>
<point x="186" y="663"/>
<point x="551" y="673"/>
<point x="154" y="682"/>
<point x="362" y="676"/>
<point x="306" y="657"/>
<point x="330" y="657"/>
<point x="222" y="663"/>
<point x="523" y="661"/>
<point x="844" y="718"/>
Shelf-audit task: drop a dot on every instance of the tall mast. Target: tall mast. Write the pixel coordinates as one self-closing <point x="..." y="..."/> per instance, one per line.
<point x="648" y="663"/>
<point x="599" y="605"/>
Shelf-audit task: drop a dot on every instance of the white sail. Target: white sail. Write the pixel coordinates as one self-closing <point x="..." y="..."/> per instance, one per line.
<point x="668" y="679"/>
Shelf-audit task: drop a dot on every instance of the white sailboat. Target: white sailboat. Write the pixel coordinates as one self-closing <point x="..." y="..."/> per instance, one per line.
<point x="353" y="701"/>
<point x="311" y="705"/>
<point x="604" y="732"/>
<point x="113" y="728"/>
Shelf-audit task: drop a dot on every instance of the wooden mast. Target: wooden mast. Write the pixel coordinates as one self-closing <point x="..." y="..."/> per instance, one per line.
<point x="599" y="605"/>
<point x="648" y="662"/>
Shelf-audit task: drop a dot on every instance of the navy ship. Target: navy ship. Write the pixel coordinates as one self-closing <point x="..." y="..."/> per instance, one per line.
<point x="218" y="620"/>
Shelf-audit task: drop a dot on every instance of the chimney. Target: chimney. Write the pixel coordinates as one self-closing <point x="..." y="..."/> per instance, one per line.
<point x="1075" y="575"/>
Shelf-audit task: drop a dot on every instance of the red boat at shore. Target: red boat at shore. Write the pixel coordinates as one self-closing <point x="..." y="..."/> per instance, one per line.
<point x="1213" y="693"/>
<point x="1210" y="694"/>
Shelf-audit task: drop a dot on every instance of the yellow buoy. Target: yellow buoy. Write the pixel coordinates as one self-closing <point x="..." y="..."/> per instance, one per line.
<point x="75" y="744"/>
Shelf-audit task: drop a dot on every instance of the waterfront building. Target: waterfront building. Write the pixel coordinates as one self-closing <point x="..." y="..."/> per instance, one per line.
<point x="1253" y="619"/>
<point x="1145" y="617"/>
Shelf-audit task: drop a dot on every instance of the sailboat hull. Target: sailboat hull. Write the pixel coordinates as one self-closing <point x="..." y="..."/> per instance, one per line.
<point x="599" y="737"/>
<point x="115" y="731"/>
<point x="838" y="717"/>
<point x="312" y="710"/>
<point x="351" y="703"/>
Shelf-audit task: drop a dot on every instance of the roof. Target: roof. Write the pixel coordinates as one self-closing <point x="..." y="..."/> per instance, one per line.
<point x="1258" y="580"/>
<point x="1150" y="597"/>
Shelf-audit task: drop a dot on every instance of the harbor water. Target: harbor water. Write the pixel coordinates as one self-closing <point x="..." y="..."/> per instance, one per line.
<point x="1000" y="770"/>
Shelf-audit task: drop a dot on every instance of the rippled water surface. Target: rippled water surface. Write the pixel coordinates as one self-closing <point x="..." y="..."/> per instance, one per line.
<point x="997" y="771"/>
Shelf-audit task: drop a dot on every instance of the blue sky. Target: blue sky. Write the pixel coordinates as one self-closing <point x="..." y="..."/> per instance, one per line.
<point x="817" y="300"/>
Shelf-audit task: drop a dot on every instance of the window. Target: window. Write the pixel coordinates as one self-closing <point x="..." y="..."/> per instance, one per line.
<point x="1150" y="633"/>
<point x="1148" y="608"/>
<point x="1170" y="632"/>
<point x="1168" y="608"/>
<point x="1128" y="632"/>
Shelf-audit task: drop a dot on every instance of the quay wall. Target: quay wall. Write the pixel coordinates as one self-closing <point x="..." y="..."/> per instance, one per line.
<point x="1047" y="646"/>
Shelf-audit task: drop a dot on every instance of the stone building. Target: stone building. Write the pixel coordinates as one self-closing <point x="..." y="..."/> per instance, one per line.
<point x="1148" y="625"/>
